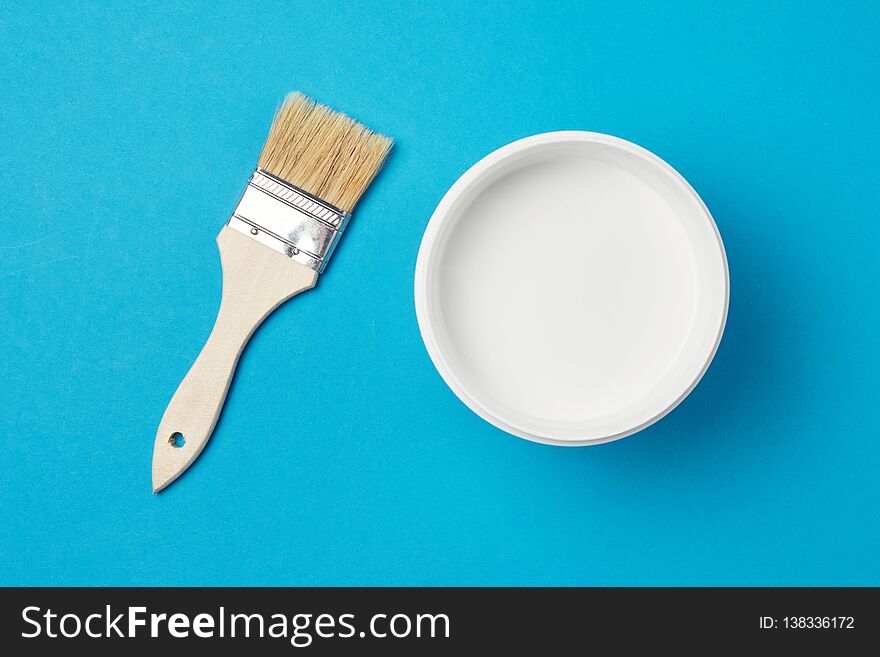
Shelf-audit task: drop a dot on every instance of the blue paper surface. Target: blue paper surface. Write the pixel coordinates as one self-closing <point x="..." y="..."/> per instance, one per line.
<point x="126" y="135"/>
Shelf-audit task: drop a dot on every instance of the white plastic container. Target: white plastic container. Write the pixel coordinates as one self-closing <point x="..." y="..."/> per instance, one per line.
<point x="571" y="288"/>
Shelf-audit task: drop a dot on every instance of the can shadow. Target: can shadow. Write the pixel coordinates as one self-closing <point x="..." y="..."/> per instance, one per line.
<point x="742" y="395"/>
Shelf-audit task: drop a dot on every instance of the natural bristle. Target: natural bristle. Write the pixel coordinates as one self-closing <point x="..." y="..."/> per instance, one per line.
<point x="323" y="152"/>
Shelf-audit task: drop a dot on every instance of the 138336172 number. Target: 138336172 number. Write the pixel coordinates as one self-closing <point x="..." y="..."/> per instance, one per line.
<point x="818" y="622"/>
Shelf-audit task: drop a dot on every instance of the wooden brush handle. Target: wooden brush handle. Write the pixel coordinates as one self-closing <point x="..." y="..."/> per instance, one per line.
<point x="256" y="280"/>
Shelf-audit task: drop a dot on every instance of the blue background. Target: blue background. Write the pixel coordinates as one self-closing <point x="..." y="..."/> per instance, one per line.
<point x="126" y="135"/>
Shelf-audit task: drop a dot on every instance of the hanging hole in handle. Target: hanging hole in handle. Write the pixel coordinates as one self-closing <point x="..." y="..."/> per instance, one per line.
<point x="177" y="439"/>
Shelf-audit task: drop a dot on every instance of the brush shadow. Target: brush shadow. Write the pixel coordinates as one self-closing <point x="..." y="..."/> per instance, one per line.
<point x="196" y="465"/>
<point x="352" y="227"/>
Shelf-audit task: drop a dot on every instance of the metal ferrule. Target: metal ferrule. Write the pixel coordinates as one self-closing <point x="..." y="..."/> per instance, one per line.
<point x="289" y="220"/>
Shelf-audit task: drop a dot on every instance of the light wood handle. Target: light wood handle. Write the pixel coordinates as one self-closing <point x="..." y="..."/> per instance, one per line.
<point x="256" y="280"/>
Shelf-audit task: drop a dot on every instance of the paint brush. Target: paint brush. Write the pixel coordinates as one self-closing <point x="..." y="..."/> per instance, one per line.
<point x="314" y="167"/>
